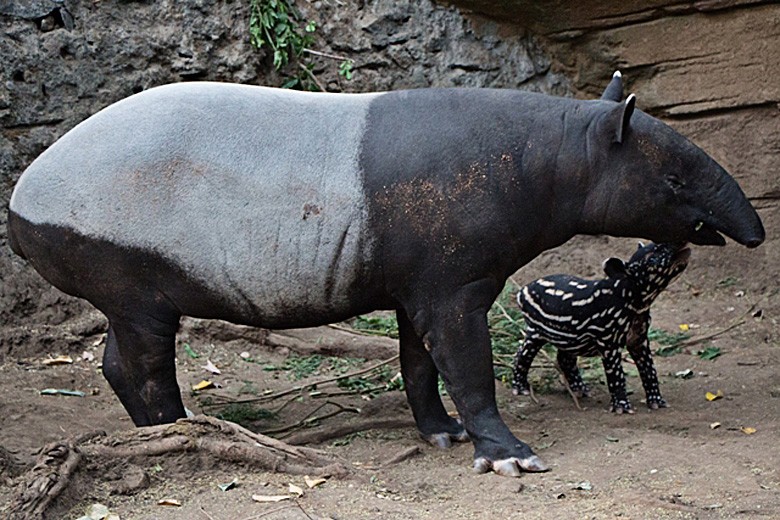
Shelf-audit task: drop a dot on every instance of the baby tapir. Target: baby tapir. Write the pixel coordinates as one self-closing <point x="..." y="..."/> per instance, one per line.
<point x="597" y="317"/>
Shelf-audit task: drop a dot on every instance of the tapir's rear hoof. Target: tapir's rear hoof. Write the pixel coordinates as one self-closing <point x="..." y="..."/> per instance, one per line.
<point x="444" y="440"/>
<point x="520" y="390"/>
<point x="511" y="467"/>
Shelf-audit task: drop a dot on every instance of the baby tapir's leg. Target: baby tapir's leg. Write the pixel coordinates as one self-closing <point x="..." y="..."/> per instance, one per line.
<point x="616" y="378"/>
<point x="568" y="363"/>
<point x="139" y="364"/>
<point x="638" y="346"/>
<point x="523" y="359"/>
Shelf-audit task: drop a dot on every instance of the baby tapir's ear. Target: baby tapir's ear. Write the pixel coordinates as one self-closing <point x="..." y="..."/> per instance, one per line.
<point x="615" y="268"/>
<point x="615" y="123"/>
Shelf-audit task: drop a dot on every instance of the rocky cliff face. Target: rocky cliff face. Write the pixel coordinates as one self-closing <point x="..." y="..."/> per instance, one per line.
<point x="63" y="60"/>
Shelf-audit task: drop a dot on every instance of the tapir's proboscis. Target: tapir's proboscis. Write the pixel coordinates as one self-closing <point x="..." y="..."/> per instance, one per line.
<point x="284" y="209"/>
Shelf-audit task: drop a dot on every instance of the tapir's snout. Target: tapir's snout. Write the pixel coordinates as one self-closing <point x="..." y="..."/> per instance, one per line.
<point x="727" y="210"/>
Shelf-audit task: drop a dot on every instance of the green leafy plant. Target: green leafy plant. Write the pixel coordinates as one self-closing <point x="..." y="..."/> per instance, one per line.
<point x="278" y="25"/>
<point x="709" y="353"/>
<point x="671" y="343"/>
<point x="507" y="330"/>
<point x="378" y="324"/>
<point x="244" y="413"/>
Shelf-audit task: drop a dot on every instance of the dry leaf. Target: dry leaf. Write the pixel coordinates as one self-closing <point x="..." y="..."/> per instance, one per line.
<point x="295" y="490"/>
<point x="714" y="425"/>
<point x="684" y="327"/>
<point x="714" y="397"/>
<point x="203" y="385"/>
<point x="313" y="482"/>
<point x="747" y="430"/>
<point x="88" y="356"/>
<point x="169" y="502"/>
<point x="270" y="498"/>
<point x="59" y="360"/>
<point x="211" y="367"/>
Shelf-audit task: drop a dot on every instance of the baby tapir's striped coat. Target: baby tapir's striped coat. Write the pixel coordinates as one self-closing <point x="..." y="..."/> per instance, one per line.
<point x="590" y="318"/>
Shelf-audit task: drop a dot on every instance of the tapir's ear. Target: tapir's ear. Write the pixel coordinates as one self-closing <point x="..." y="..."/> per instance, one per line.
<point x="640" y="245"/>
<point x="616" y="121"/>
<point x="614" y="91"/>
<point x="615" y="268"/>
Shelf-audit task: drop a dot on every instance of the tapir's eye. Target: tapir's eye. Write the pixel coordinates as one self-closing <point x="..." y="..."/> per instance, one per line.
<point x="675" y="182"/>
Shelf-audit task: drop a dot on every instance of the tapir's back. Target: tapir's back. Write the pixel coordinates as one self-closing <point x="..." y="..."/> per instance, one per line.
<point x="243" y="187"/>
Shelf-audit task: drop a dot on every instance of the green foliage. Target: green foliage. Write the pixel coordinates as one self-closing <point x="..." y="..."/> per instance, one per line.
<point x="506" y="331"/>
<point x="378" y="324"/>
<point x="671" y="343"/>
<point x="244" y="413"/>
<point x="278" y="25"/>
<point x="300" y="367"/>
<point x="709" y="353"/>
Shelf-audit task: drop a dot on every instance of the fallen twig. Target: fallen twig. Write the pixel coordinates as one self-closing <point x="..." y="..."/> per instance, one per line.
<point x="310" y="418"/>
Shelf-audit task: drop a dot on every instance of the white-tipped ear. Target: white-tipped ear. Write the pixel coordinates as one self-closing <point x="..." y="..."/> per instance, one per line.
<point x="640" y="245"/>
<point x="614" y="91"/>
<point x="616" y="121"/>
<point x="614" y="268"/>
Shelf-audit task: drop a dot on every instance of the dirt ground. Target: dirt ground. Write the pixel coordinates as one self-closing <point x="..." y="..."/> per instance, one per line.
<point x="670" y="463"/>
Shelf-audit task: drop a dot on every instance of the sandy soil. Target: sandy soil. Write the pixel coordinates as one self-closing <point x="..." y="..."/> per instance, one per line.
<point x="669" y="463"/>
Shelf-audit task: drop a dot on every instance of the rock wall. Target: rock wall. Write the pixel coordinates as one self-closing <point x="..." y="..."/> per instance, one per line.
<point x="63" y="60"/>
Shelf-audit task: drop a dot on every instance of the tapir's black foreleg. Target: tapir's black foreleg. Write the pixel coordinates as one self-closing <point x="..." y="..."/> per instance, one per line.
<point x="638" y="347"/>
<point x="459" y="342"/>
<point x="145" y="348"/>
<point x="568" y="364"/>
<point x="421" y="381"/>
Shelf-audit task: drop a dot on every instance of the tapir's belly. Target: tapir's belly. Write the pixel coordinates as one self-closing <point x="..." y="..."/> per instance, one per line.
<point x="254" y="193"/>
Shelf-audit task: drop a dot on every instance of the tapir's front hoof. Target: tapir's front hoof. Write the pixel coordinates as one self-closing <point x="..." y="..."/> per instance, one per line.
<point x="655" y="404"/>
<point x="521" y="388"/>
<point x="444" y="439"/>
<point x="511" y="467"/>
<point x="621" y="406"/>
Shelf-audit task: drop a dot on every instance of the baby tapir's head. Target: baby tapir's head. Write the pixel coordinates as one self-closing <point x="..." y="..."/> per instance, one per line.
<point x="650" y="270"/>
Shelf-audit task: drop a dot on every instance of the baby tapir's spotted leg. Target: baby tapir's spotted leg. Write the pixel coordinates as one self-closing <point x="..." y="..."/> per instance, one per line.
<point x="638" y="346"/>
<point x="421" y="381"/>
<point x="616" y="378"/>
<point x="568" y="364"/>
<point x="523" y="360"/>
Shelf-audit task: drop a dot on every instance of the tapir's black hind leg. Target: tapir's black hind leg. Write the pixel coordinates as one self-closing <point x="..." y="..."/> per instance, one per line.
<point x="421" y="380"/>
<point x="114" y="372"/>
<point x="139" y="363"/>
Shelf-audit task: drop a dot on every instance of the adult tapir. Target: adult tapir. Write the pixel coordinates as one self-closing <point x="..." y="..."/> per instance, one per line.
<point x="285" y="209"/>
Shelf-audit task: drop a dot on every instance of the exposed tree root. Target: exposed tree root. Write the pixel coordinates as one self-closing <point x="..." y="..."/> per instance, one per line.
<point x="58" y="462"/>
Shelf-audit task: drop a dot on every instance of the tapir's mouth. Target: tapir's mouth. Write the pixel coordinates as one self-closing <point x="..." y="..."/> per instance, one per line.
<point x="706" y="235"/>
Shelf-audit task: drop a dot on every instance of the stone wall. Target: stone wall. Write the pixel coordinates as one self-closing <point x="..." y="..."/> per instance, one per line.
<point x="64" y="60"/>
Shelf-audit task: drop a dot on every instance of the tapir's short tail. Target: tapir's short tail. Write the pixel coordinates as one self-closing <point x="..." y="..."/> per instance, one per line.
<point x="12" y="240"/>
